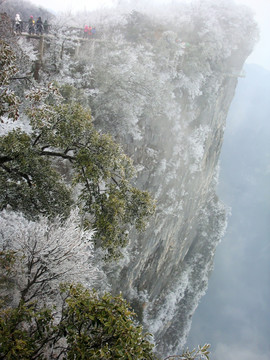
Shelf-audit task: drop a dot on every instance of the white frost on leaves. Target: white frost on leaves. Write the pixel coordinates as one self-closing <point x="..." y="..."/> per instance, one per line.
<point x="196" y="142"/>
<point x="28" y="48"/>
<point x="167" y="311"/>
<point x="162" y="167"/>
<point x="193" y="279"/>
<point x="9" y="124"/>
<point x="48" y="253"/>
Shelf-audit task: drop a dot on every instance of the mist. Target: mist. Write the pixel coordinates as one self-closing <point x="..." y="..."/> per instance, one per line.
<point x="234" y="315"/>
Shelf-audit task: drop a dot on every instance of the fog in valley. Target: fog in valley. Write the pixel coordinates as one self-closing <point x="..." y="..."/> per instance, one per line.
<point x="234" y="314"/>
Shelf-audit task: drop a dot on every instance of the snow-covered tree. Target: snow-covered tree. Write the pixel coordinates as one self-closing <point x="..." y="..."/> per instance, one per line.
<point x="42" y="255"/>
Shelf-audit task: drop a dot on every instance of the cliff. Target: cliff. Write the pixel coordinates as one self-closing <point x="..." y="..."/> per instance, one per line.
<point x="162" y="84"/>
<point x="164" y="89"/>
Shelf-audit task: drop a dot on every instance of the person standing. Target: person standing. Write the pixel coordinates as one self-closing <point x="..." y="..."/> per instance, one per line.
<point x="18" y="24"/>
<point x="31" y="25"/>
<point x="39" y="26"/>
<point x="94" y="31"/>
<point x="46" y="27"/>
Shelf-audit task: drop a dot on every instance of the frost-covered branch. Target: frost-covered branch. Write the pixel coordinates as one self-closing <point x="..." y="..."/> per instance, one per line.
<point x="62" y="155"/>
<point x="47" y="253"/>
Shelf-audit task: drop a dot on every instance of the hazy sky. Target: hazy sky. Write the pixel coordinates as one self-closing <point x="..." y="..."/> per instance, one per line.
<point x="260" y="56"/>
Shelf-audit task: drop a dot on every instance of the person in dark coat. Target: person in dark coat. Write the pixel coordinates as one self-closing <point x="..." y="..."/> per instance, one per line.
<point x="39" y="26"/>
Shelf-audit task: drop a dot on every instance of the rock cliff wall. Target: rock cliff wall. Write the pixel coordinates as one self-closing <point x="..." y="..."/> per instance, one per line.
<point x="162" y="85"/>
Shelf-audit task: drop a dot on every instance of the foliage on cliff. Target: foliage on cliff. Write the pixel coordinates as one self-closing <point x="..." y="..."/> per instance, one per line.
<point x="39" y="321"/>
<point x="90" y="327"/>
<point x="52" y="245"/>
<point x="100" y="171"/>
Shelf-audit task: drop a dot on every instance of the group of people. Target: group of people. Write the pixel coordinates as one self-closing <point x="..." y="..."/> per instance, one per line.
<point x="89" y="31"/>
<point x="34" y="27"/>
<point x="37" y="27"/>
<point x="40" y="28"/>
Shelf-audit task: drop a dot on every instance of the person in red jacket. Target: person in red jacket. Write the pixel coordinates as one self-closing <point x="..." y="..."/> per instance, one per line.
<point x="85" y="35"/>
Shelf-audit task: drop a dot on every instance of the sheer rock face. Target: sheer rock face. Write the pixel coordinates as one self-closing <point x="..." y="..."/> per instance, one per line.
<point x="162" y="85"/>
